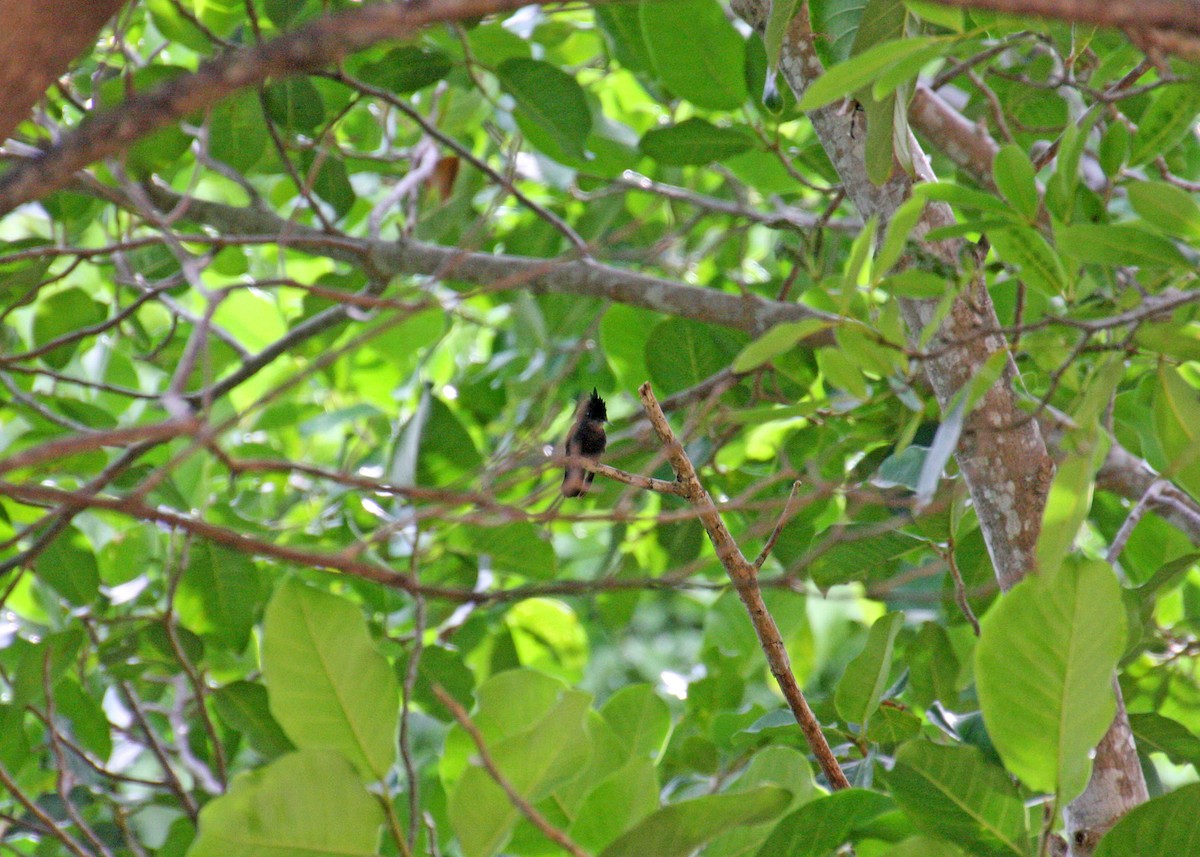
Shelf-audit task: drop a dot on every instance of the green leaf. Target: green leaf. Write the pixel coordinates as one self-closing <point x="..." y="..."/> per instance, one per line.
<point x="778" y="18"/>
<point x="1038" y="265"/>
<point x="1044" y="666"/>
<point x="309" y="803"/>
<point x="881" y="151"/>
<point x="621" y="24"/>
<point x="955" y="793"/>
<point x="899" y="228"/>
<point x="679" y="829"/>
<point x="1114" y="148"/>
<point x="550" y="99"/>
<point x="295" y="103"/>
<point x="640" y="718"/>
<point x="696" y="52"/>
<point x="219" y="594"/>
<point x="1155" y="733"/>
<point x="824" y="825"/>
<point x="854" y="557"/>
<point x="1165" y="122"/>
<point x="237" y="134"/>
<point x="1070" y="496"/>
<point x="835" y="23"/>
<point x="1014" y="176"/>
<point x="1166" y="826"/>
<point x="329" y="181"/>
<point x="867" y="676"/>
<point x="693" y="142"/>
<point x="846" y="78"/>
<point x="1171" y="209"/>
<point x="548" y="636"/>
<point x="778" y="340"/>
<point x="1118" y="244"/>
<point x="60" y="314"/>
<point x="616" y="804"/>
<point x="244" y="707"/>
<point x="518" y="547"/>
<point x="681" y="353"/>
<point x="1176" y="412"/>
<point x="408" y="68"/>
<point x="70" y="569"/>
<point x="329" y="686"/>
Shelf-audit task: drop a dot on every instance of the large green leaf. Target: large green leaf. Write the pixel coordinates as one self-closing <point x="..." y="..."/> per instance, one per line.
<point x="696" y="52"/>
<point x="680" y="828"/>
<point x="550" y="104"/>
<point x="1166" y="121"/>
<point x="70" y="569"/>
<point x="309" y="803"/>
<point x="620" y="801"/>
<point x="1118" y="244"/>
<point x="694" y="141"/>
<point x="1039" y="266"/>
<point x="640" y="718"/>
<point x="330" y="688"/>
<point x="822" y="826"/>
<point x="859" y="71"/>
<point x="835" y="24"/>
<point x="952" y="791"/>
<point x="866" y="677"/>
<point x="1177" y="428"/>
<point x="1171" y="209"/>
<point x="1164" y="735"/>
<point x="1014" y="177"/>
<point x="1044" y="668"/>
<point x="1070" y="496"/>
<point x="1168" y="826"/>
<point x="219" y="594"/>
<point x="58" y="315"/>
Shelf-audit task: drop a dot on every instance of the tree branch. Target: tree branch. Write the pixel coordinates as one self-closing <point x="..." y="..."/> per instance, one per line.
<point x="313" y="46"/>
<point x="744" y="577"/>
<point x="1179" y="15"/>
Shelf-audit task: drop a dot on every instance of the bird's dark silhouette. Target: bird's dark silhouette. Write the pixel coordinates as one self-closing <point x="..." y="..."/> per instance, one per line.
<point x="586" y="439"/>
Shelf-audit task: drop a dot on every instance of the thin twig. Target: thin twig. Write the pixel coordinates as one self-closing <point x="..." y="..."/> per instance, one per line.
<point x="744" y="577"/>
<point x="523" y="806"/>
<point x="783" y="518"/>
<point x="68" y="446"/>
<point x="1147" y="500"/>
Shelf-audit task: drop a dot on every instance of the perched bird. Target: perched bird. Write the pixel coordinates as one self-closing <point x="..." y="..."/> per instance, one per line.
<point x="586" y="439"/>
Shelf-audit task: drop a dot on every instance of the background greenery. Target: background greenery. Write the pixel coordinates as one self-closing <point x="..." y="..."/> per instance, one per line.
<point x="235" y="640"/>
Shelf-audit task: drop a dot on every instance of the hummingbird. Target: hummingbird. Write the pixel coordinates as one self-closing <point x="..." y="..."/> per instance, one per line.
<point x="586" y="439"/>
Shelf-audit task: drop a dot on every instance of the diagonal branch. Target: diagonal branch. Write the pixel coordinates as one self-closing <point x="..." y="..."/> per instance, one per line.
<point x="313" y="46"/>
<point x="744" y="577"/>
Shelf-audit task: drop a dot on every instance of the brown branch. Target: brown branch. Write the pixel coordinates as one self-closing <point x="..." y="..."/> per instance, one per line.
<point x="783" y="519"/>
<point x="485" y="758"/>
<point x="311" y="47"/>
<point x="744" y="577"/>
<point x="37" y="43"/>
<point x="1178" y="15"/>
<point x="68" y="446"/>
<point x="649" y="483"/>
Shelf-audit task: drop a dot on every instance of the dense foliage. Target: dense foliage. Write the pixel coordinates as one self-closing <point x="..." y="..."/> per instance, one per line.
<point x="279" y="523"/>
